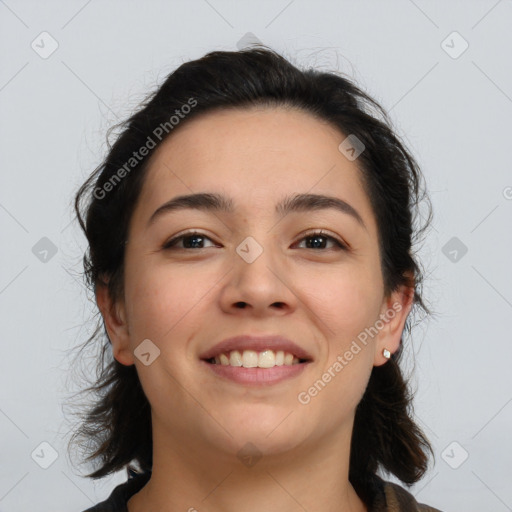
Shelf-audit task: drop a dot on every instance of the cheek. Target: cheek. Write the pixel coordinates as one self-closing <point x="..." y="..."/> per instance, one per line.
<point x="161" y="300"/>
<point x="163" y="307"/>
<point x="346" y="300"/>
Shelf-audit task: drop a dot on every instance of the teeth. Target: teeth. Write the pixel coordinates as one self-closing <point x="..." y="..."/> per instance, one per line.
<point x="253" y="359"/>
<point x="267" y="359"/>
<point x="249" y="359"/>
<point x="235" y="358"/>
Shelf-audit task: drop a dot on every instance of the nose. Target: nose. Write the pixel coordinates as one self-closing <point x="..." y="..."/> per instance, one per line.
<point x="258" y="288"/>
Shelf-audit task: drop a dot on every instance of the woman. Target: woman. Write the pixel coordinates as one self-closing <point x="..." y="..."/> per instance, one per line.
<point x="250" y="236"/>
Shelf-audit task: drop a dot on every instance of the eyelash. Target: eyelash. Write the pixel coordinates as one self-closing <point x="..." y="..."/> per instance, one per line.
<point x="170" y="244"/>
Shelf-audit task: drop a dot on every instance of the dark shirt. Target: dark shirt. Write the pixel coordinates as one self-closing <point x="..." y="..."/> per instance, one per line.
<point x="382" y="496"/>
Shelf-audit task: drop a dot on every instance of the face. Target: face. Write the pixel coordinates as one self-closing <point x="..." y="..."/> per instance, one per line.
<point x="320" y="291"/>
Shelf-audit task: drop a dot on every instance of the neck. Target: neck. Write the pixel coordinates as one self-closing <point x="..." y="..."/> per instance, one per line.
<point x="189" y="476"/>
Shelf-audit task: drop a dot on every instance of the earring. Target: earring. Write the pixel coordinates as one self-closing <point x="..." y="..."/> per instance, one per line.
<point x="386" y="353"/>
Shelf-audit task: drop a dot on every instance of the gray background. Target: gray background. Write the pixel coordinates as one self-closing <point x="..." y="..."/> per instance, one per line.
<point x="453" y="110"/>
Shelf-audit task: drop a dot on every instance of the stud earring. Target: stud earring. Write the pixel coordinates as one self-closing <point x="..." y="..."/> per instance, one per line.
<point x="386" y="353"/>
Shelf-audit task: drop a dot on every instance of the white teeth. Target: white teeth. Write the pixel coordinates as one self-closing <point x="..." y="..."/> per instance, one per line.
<point x="235" y="358"/>
<point x="252" y="359"/>
<point x="267" y="359"/>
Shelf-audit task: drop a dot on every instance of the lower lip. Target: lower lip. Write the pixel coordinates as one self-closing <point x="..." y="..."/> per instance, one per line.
<point x="257" y="376"/>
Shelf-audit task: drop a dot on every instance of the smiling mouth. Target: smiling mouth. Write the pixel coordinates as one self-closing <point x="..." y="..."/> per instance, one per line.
<point x="256" y="359"/>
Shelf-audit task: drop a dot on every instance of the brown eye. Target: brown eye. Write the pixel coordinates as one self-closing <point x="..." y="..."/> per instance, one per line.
<point x="191" y="240"/>
<point x="319" y="239"/>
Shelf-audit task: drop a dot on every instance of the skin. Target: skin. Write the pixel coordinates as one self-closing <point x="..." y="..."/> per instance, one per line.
<point x="185" y="301"/>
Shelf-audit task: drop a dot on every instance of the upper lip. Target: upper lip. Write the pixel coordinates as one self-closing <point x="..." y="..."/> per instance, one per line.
<point x="257" y="343"/>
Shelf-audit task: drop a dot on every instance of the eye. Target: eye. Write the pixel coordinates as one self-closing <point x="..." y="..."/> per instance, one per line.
<point x="320" y="238"/>
<point x="192" y="240"/>
<point x="195" y="240"/>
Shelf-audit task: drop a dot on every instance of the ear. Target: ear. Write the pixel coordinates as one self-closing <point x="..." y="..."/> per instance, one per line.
<point x="394" y="312"/>
<point x="114" y="318"/>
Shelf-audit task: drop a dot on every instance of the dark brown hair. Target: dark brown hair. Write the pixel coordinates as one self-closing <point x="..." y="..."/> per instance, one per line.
<point x="116" y="429"/>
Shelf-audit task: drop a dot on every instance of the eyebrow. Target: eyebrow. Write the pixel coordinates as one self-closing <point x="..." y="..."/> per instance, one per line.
<point x="210" y="202"/>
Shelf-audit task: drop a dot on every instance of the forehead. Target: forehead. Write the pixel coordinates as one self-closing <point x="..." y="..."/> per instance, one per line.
<point x="257" y="156"/>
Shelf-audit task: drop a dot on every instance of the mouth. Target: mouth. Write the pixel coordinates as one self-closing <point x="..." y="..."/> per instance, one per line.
<point x="256" y="360"/>
<point x="261" y="351"/>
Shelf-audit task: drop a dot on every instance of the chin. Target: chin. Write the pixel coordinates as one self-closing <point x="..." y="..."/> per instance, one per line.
<point x="250" y="448"/>
<point x="271" y="433"/>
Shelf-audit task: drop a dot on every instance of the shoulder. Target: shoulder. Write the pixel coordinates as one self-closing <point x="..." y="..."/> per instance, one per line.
<point x="382" y="496"/>
<point x="116" y="502"/>
<point x="400" y="500"/>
